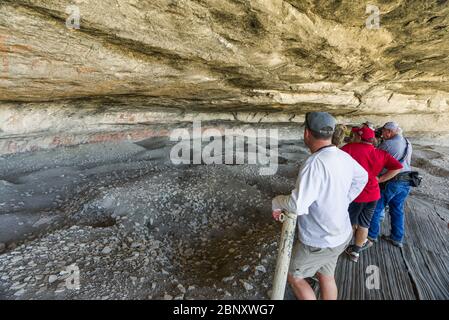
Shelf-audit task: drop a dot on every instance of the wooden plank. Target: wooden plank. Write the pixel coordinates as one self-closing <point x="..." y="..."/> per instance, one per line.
<point x="394" y="280"/>
<point x="420" y="270"/>
<point x="427" y="249"/>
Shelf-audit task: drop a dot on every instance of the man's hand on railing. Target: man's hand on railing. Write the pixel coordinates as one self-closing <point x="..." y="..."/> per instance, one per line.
<point x="277" y="214"/>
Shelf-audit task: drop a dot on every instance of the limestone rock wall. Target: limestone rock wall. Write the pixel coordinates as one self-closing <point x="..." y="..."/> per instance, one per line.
<point x="168" y="61"/>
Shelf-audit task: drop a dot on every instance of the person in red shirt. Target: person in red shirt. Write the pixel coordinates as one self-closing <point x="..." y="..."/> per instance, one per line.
<point x="374" y="161"/>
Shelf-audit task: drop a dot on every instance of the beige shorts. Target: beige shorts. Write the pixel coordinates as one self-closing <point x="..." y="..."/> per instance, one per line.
<point x="307" y="261"/>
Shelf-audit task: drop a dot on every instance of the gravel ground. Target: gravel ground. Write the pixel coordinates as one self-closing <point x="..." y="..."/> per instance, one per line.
<point x="138" y="227"/>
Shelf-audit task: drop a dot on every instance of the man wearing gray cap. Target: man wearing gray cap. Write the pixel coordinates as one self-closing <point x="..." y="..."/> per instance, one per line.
<point x="395" y="191"/>
<point x="328" y="181"/>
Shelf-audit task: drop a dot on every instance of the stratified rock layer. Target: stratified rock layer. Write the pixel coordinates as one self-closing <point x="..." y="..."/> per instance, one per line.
<point x="139" y="62"/>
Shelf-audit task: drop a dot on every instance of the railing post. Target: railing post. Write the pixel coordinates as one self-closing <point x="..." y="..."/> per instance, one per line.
<point x="285" y="251"/>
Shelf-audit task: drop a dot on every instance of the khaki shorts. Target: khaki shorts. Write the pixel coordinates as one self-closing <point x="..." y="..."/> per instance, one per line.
<point x="307" y="261"/>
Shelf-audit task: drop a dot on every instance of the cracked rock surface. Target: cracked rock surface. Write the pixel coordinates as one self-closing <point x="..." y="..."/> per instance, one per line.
<point x="139" y="62"/>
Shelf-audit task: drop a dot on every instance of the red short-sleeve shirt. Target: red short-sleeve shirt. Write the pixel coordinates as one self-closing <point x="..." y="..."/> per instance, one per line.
<point x="373" y="161"/>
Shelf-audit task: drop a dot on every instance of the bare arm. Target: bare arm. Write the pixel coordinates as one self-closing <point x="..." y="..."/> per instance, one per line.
<point x="390" y="174"/>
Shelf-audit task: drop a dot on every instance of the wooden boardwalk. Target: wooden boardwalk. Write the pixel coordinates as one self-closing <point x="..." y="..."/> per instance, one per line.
<point x="418" y="271"/>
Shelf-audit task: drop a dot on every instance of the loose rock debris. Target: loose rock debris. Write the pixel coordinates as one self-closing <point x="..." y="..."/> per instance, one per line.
<point x="137" y="227"/>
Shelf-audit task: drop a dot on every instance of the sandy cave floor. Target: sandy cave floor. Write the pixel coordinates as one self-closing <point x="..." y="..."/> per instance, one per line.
<point x="138" y="227"/>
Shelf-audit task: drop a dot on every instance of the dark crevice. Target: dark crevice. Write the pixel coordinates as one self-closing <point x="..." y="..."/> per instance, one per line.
<point x="438" y="214"/>
<point x="414" y="283"/>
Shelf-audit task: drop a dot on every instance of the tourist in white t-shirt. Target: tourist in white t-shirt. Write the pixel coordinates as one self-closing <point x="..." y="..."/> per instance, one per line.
<point x="328" y="182"/>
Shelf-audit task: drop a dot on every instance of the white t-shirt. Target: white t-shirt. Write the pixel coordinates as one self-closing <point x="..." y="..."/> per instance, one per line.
<point x="328" y="182"/>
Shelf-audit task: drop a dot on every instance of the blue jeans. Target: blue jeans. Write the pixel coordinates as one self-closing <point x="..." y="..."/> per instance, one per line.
<point x="394" y="196"/>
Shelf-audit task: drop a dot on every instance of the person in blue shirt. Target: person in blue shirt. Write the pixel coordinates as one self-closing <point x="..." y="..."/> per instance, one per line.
<point x="396" y="190"/>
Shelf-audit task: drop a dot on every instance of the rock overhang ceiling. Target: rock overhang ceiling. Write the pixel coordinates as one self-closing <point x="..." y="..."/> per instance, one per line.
<point x="270" y="59"/>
